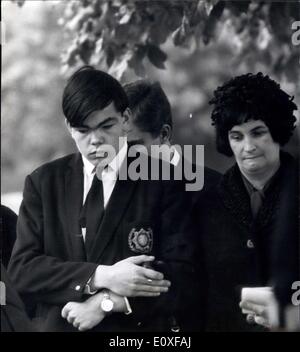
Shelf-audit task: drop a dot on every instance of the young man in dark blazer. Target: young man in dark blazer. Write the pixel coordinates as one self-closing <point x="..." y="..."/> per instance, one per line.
<point x="151" y="124"/>
<point x="84" y="252"/>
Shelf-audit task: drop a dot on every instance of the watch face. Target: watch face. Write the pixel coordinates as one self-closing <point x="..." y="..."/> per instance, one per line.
<point x="107" y="305"/>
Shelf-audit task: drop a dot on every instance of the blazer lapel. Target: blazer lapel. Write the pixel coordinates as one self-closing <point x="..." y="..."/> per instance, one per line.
<point x="115" y="209"/>
<point x="73" y="204"/>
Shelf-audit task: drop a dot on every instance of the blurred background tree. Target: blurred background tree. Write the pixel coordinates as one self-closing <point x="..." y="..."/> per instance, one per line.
<point x="122" y="34"/>
<point x="191" y="47"/>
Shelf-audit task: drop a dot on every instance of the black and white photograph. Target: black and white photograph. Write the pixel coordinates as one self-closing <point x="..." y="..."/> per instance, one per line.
<point x="150" y="169"/>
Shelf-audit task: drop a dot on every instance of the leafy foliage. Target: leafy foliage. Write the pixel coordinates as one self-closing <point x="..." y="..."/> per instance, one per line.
<point x="199" y="43"/>
<point x="121" y="34"/>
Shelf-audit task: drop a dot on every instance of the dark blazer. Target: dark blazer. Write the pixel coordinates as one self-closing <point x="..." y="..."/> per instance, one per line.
<point x="236" y="250"/>
<point x="286" y="245"/>
<point x="48" y="262"/>
<point x="211" y="176"/>
<point x="194" y="318"/>
<point x="13" y="315"/>
<point x="8" y="233"/>
<point x="211" y="179"/>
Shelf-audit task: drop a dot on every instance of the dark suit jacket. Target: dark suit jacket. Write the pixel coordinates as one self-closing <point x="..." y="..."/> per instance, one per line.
<point x="194" y="318"/>
<point x="8" y="233"/>
<point x="13" y="315"/>
<point x="48" y="262"/>
<point x="211" y="176"/>
<point x="286" y="247"/>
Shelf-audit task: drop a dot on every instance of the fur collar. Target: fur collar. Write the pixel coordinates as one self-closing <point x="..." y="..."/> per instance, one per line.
<point x="235" y="198"/>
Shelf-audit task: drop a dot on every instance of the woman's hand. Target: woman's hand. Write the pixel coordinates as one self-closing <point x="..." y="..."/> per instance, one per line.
<point x="260" y="305"/>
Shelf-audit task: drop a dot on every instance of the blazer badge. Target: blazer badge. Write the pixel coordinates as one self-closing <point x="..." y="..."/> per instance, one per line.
<point x="141" y="241"/>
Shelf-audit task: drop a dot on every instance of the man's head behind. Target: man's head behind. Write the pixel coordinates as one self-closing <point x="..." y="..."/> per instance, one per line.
<point x="89" y="90"/>
<point x="252" y="97"/>
<point x="151" y="113"/>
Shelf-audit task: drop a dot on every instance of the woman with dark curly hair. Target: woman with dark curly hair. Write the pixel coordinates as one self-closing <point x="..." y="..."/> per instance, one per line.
<point x="250" y="221"/>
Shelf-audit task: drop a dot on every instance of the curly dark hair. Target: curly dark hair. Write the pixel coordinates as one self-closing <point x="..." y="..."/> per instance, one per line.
<point x="252" y="97"/>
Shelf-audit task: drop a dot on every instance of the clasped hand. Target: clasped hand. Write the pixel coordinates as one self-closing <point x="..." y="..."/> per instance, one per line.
<point x="130" y="278"/>
<point x="84" y="315"/>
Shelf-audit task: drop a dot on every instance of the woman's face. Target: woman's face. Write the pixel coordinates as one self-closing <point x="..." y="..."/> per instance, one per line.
<point x="254" y="148"/>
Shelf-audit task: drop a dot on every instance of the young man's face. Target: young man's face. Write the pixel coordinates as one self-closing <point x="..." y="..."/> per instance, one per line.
<point x="100" y="130"/>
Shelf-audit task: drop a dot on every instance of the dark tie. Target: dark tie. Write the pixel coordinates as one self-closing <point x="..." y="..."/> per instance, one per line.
<point x="256" y="200"/>
<point x="92" y="212"/>
<point x="256" y="197"/>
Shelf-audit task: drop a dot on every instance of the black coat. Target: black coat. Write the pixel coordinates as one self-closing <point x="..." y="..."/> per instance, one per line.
<point x="286" y="245"/>
<point x="195" y="315"/>
<point x="48" y="262"/>
<point x="235" y="250"/>
<point x="8" y="233"/>
<point x="211" y="177"/>
<point x="13" y="315"/>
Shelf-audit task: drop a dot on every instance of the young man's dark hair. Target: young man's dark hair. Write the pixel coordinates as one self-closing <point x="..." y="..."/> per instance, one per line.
<point x="89" y="90"/>
<point x="150" y="106"/>
<point x="252" y="97"/>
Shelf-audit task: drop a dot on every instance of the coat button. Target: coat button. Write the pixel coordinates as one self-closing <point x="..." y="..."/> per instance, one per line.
<point x="77" y="288"/>
<point x="139" y="323"/>
<point x="250" y="244"/>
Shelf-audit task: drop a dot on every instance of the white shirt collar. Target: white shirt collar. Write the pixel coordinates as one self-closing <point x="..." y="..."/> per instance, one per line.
<point x="176" y="156"/>
<point x="89" y="168"/>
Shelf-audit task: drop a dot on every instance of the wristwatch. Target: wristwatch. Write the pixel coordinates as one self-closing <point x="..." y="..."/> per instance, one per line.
<point x="107" y="304"/>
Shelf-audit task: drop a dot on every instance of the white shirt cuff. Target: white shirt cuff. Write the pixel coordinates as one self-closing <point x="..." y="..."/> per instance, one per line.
<point x="129" y="310"/>
<point x="87" y="289"/>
